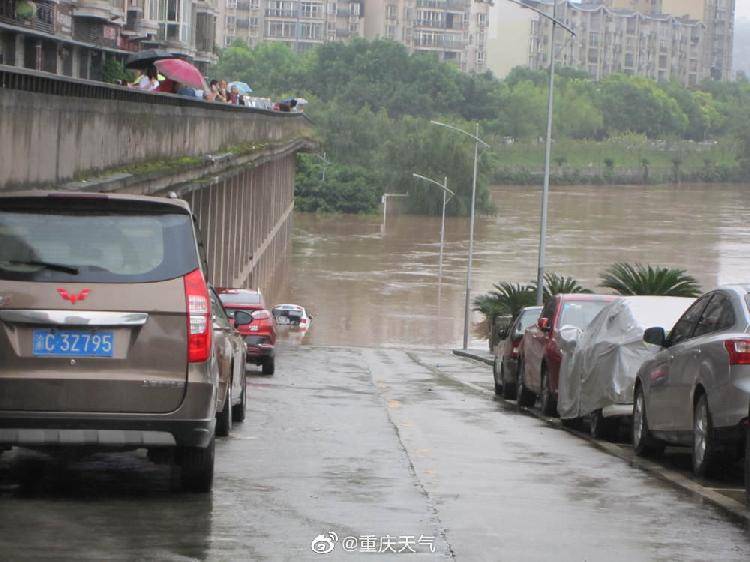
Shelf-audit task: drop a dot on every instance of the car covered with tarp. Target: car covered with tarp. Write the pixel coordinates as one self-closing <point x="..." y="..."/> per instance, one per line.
<point x="600" y="364"/>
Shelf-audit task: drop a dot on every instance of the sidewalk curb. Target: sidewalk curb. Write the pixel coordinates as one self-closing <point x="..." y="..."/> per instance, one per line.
<point x="471" y="355"/>
<point x="727" y="504"/>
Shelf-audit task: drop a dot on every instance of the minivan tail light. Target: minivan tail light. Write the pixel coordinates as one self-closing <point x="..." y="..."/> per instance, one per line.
<point x="739" y="351"/>
<point x="261" y="315"/>
<point x="198" y="317"/>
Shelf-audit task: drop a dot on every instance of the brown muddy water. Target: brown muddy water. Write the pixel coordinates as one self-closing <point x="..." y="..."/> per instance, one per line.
<point x="371" y="286"/>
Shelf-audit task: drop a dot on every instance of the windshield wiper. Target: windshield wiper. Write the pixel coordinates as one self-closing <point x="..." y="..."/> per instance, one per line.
<point x="46" y="265"/>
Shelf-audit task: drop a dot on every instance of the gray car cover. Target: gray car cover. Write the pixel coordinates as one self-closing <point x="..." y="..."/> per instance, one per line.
<point x="599" y="368"/>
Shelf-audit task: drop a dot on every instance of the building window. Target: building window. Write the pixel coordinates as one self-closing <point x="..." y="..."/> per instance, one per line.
<point x="312" y="10"/>
<point x="391" y="11"/>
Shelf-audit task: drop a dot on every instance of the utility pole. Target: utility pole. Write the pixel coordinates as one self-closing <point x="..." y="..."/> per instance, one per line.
<point x="548" y="145"/>
<point x="470" y="259"/>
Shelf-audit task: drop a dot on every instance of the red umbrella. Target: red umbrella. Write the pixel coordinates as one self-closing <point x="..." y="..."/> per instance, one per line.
<point x="181" y="71"/>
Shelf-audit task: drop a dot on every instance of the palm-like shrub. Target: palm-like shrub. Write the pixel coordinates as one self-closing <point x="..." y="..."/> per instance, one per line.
<point x="506" y="299"/>
<point x="556" y="284"/>
<point x="638" y="279"/>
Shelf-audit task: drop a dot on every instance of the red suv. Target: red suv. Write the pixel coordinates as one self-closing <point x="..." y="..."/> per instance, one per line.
<point x="260" y="333"/>
<point x="539" y="369"/>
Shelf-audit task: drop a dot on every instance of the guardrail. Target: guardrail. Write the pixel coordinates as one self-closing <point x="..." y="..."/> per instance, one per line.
<point x="15" y="78"/>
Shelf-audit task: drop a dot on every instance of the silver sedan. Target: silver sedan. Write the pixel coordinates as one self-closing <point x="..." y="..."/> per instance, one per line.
<point x="696" y="390"/>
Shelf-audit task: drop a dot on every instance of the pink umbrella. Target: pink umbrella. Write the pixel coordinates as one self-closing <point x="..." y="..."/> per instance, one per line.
<point x="181" y="71"/>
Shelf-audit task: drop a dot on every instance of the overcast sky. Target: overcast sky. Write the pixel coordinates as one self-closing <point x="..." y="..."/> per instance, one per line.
<point x="743" y="9"/>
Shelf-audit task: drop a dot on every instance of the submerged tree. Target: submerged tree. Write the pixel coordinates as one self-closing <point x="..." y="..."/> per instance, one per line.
<point x="638" y="279"/>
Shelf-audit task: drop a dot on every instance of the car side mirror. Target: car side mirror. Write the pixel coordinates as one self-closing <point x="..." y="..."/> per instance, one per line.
<point x="655" y="336"/>
<point x="242" y="318"/>
<point x="543" y="324"/>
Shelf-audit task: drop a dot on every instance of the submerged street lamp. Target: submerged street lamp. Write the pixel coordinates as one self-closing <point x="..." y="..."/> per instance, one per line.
<point x="446" y="193"/>
<point x="477" y="142"/>
<point x="548" y="147"/>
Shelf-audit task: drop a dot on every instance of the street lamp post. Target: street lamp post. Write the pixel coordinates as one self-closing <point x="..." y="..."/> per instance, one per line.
<point x="548" y="145"/>
<point x="384" y="200"/>
<point x="444" y="187"/>
<point x="467" y="300"/>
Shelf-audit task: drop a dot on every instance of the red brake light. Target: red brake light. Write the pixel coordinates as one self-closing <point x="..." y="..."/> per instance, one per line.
<point x="198" y="317"/>
<point x="739" y="351"/>
<point x="261" y="315"/>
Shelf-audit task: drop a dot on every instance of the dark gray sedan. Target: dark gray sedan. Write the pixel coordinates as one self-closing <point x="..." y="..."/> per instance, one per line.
<point x="696" y="391"/>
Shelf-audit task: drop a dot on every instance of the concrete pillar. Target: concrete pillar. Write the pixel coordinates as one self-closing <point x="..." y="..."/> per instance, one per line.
<point x="19" y="50"/>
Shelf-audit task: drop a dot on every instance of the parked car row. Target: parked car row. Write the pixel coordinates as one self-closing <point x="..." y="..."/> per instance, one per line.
<point x="112" y="337"/>
<point x="677" y="369"/>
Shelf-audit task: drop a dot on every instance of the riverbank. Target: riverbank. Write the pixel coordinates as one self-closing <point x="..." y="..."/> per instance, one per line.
<point x="628" y="160"/>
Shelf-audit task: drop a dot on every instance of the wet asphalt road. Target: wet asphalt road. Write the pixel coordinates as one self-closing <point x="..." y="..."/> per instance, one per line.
<point x="366" y="442"/>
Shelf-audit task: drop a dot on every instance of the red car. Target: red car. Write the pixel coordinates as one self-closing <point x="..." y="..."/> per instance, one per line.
<point x="260" y="333"/>
<point x="539" y="369"/>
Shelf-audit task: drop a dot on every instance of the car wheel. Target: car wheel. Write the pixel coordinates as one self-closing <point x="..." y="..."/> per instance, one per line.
<point x="224" y="418"/>
<point x="549" y="402"/>
<point x="497" y="376"/>
<point x="643" y="442"/>
<point x="524" y="397"/>
<point x="704" y="445"/>
<point x="509" y="388"/>
<point x="269" y="366"/>
<point x="197" y="468"/>
<point x="603" y="428"/>
<point x="571" y="423"/>
<point x="238" y="411"/>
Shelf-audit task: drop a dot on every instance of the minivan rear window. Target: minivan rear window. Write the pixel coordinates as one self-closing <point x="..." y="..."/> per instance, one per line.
<point x="95" y="247"/>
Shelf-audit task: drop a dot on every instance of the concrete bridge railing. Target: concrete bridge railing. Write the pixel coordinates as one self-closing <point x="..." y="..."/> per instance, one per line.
<point x="54" y="129"/>
<point x="57" y="132"/>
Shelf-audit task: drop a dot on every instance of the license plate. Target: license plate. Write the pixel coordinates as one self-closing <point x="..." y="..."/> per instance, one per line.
<point x="72" y="343"/>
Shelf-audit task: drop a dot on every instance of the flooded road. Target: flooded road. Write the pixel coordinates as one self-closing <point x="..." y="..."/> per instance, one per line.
<point x="368" y="284"/>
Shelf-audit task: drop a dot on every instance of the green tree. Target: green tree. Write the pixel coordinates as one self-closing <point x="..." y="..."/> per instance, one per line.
<point x="639" y="105"/>
<point x="638" y="279"/>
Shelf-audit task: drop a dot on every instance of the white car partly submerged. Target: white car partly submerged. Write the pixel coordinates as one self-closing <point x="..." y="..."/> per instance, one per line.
<point x="292" y="315"/>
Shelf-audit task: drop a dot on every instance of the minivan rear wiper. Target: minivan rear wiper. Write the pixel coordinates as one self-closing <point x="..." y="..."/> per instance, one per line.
<point x="45" y="264"/>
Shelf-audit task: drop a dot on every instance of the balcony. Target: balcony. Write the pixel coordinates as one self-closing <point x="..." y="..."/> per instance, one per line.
<point x="40" y="15"/>
<point x="453" y="5"/>
<point x="271" y="13"/>
<point x="432" y="24"/>
<point x="105" y="10"/>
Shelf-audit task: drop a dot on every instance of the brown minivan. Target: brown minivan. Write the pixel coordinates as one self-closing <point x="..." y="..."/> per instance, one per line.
<point x="105" y="329"/>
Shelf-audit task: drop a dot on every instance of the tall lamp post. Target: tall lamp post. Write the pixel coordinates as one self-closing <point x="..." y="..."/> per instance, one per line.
<point x="477" y="142"/>
<point x="446" y="198"/>
<point x="548" y="147"/>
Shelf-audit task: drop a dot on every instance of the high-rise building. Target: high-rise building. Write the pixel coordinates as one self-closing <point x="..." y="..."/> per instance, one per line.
<point x="300" y="24"/>
<point x="620" y="40"/>
<point x="77" y="37"/>
<point x="452" y="30"/>
<point x="718" y="17"/>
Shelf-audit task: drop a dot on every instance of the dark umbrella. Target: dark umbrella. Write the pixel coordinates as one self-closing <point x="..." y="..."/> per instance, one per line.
<point x="144" y="59"/>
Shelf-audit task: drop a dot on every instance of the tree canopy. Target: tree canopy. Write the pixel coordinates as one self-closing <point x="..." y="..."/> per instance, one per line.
<point x="371" y="102"/>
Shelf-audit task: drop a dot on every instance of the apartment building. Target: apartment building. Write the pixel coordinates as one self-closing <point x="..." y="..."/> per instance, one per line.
<point x="77" y="37"/>
<point x="612" y="40"/>
<point x="301" y="24"/>
<point x="718" y="17"/>
<point x="452" y="30"/>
